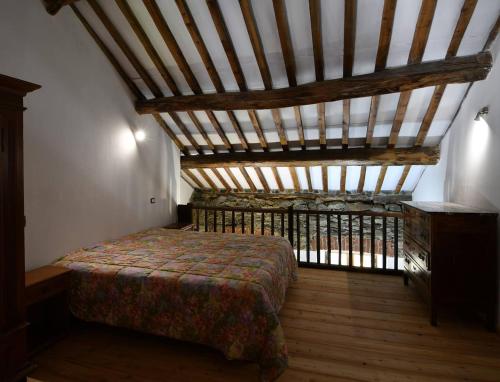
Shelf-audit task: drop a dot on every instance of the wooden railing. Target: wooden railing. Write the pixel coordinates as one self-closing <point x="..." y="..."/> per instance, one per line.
<point x="349" y="240"/>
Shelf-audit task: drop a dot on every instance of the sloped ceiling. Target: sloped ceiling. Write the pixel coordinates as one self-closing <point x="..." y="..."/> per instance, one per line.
<point x="367" y="31"/>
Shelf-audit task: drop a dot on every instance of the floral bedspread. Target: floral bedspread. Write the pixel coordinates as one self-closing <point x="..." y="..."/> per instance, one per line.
<point x="222" y="290"/>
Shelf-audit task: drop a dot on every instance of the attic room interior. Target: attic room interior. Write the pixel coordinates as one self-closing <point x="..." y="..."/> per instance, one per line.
<point x="249" y="190"/>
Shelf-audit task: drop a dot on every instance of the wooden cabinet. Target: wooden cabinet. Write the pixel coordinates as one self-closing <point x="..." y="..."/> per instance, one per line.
<point x="12" y="305"/>
<point x="451" y="258"/>
<point x="47" y="308"/>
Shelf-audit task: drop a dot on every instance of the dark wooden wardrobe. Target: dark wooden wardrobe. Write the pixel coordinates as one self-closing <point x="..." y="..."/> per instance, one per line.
<point x="12" y="307"/>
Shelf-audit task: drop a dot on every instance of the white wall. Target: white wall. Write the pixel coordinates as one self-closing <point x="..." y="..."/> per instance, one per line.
<point x="86" y="179"/>
<point x="469" y="170"/>
<point x="185" y="192"/>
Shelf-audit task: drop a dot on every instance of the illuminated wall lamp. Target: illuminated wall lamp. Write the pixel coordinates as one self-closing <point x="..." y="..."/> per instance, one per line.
<point x="481" y="114"/>
<point x="140" y="135"/>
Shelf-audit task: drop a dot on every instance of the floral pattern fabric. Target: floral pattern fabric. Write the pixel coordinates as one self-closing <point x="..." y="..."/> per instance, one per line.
<point x="218" y="289"/>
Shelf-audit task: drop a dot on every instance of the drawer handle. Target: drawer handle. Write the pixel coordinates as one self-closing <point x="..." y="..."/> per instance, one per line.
<point x="407" y="260"/>
<point x="421" y="257"/>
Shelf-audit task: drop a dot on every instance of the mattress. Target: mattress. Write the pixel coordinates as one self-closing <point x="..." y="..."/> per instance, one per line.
<point x="222" y="290"/>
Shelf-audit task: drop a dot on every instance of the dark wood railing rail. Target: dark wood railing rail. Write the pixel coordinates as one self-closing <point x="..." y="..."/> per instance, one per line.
<point x="349" y="240"/>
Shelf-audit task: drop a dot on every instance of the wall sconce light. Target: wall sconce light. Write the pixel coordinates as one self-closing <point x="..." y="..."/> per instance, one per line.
<point x="140" y="135"/>
<point x="481" y="113"/>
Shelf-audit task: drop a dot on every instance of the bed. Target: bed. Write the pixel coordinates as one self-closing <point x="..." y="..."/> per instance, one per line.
<point x="221" y="290"/>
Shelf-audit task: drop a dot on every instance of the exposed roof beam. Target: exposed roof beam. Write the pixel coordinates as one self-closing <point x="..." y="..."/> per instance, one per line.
<point x="361" y="182"/>
<point x="349" y="42"/>
<point x="210" y="182"/>
<point x="402" y="179"/>
<point x="234" y="179"/>
<point x="184" y="130"/>
<point x="300" y="127"/>
<point x="262" y="179"/>
<point x="254" y="119"/>
<point x="277" y="177"/>
<point x="285" y="40"/>
<point x="221" y="179"/>
<point x="419" y="42"/>
<point x="128" y="81"/>
<point x="193" y="177"/>
<point x="308" y="177"/>
<point x="295" y="179"/>
<point x="452" y="70"/>
<point x="463" y="21"/>
<point x="380" y="180"/>
<point x="381" y="60"/>
<point x="174" y="48"/>
<point x="247" y="177"/>
<point x="331" y="157"/>
<point x="343" y="176"/>
<point x="324" y="177"/>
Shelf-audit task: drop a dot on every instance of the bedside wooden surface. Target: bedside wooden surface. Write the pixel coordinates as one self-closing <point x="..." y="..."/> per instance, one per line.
<point x="44" y="273"/>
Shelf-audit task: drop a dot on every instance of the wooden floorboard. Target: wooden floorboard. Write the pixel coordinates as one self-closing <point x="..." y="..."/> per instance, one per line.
<point x="339" y="326"/>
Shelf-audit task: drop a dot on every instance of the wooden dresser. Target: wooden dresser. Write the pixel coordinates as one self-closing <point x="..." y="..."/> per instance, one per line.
<point x="450" y="257"/>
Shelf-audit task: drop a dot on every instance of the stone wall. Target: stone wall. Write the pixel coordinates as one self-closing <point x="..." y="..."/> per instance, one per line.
<point x="330" y="202"/>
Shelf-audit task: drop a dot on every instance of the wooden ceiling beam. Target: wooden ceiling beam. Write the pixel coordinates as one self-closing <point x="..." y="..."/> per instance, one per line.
<point x="285" y="40"/>
<point x="295" y="179"/>
<point x="324" y="177"/>
<point x="458" y="34"/>
<point x="300" y="126"/>
<point x="343" y="176"/>
<point x="262" y="179"/>
<point x="350" y="8"/>
<point x="239" y="132"/>
<point x="230" y="173"/>
<point x="193" y="177"/>
<point x="128" y="81"/>
<point x="361" y="181"/>
<point x="202" y="131"/>
<point x="277" y="177"/>
<point x="402" y="179"/>
<point x="247" y="177"/>
<point x="210" y="182"/>
<point x="184" y="130"/>
<point x="254" y="119"/>
<point x="258" y="49"/>
<point x="331" y="157"/>
<point x="221" y="179"/>
<point x="417" y="49"/>
<point x="174" y="48"/>
<point x="381" y="60"/>
<point x="308" y="177"/>
<point x="452" y="70"/>
<point x="380" y="180"/>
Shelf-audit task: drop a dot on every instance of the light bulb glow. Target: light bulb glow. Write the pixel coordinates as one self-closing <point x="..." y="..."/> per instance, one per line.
<point x="140" y="135"/>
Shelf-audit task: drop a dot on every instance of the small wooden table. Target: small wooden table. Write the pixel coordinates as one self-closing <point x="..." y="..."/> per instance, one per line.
<point x="47" y="308"/>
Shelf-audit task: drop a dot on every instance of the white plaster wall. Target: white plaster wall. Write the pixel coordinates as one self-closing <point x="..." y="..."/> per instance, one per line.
<point x="86" y="179"/>
<point x="185" y="192"/>
<point x="469" y="171"/>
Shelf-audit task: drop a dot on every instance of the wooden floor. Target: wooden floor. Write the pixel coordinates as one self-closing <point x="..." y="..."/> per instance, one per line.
<point x="339" y="327"/>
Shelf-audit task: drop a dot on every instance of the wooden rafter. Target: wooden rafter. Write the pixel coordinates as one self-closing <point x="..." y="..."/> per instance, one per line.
<point x="380" y="61"/>
<point x="460" y="28"/>
<point x="120" y="41"/>
<point x="399" y="79"/>
<point x="277" y="177"/>
<point x="285" y="40"/>
<point x="239" y="187"/>
<point x="221" y="179"/>
<point x="308" y="177"/>
<point x="207" y="178"/>
<point x="262" y="179"/>
<point x="324" y="177"/>
<point x="247" y="177"/>
<point x="300" y="127"/>
<point x="248" y="16"/>
<point x="295" y="179"/>
<point x="315" y="14"/>
<point x="343" y="176"/>
<point x="175" y="50"/>
<point x="402" y="179"/>
<point x="193" y="177"/>
<point x="227" y="43"/>
<point x="420" y="37"/>
<point x="361" y="181"/>
<point x="380" y="180"/>
<point x="331" y="157"/>
<point x="350" y="7"/>
<point x="128" y="81"/>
